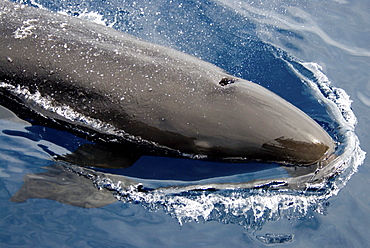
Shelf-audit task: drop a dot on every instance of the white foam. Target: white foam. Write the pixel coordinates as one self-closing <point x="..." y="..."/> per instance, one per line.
<point x="91" y="16"/>
<point x="26" y="29"/>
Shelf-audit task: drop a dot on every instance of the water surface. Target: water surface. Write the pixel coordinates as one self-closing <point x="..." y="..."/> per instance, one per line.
<point x="314" y="54"/>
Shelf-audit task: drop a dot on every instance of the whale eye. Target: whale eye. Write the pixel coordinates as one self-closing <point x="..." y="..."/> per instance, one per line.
<point x="226" y="81"/>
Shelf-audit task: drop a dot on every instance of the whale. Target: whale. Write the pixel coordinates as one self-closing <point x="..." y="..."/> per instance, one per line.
<point x="105" y="82"/>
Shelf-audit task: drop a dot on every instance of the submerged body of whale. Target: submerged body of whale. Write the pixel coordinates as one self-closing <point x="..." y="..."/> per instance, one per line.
<point x="98" y="78"/>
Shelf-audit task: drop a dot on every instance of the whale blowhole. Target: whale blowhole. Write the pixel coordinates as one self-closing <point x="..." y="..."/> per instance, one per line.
<point x="226" y="81"/>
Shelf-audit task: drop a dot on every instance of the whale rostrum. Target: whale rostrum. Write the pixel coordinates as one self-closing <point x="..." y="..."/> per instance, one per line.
<point x="95" y="77"/>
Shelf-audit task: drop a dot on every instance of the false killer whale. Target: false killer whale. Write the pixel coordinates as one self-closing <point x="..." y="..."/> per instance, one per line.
<point x="98" y="79"/>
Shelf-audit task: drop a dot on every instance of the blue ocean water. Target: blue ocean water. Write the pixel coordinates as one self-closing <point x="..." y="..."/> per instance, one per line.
<point x="295" y="49"/>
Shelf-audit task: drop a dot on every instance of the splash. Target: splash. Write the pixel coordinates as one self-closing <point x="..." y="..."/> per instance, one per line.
<point x="25" y="30"/>
<point x="92" y="16"/>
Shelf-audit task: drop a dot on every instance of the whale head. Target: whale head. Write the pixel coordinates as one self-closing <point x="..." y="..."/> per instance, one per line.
<point x="236" y="119"/>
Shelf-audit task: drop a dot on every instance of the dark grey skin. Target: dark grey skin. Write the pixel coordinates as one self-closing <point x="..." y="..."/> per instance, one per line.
<point x="151" y="94"/>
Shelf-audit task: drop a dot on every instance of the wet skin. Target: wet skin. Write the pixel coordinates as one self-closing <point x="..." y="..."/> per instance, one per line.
<point x="150" y="94"/>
